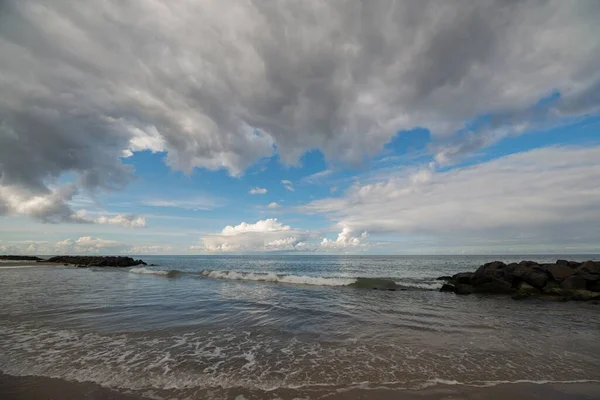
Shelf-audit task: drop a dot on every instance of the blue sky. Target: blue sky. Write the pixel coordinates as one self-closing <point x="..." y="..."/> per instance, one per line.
<point x="308" y="136"/>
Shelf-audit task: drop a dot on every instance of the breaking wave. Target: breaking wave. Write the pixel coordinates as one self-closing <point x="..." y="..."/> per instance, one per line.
<point x="406" y="284"/>
<point x="272" y="277"/>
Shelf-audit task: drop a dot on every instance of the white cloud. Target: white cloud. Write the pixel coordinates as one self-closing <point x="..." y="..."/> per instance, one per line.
<point x="49" y="207"/>
<point x="87" y="245"/>
<point x="344" y="240"/>
<point x="543" y="196"/>
<point x="272" y="235"/>
<point x="263" y="226"/>
<point x="264" y="235"/>
<point x="257" y="190"/>
<point x="288" y="185"/>
<point x="197" y="203"/>
<point x="126" y="220"/>
<point x="273" y="205"/>
<point x="148" y="249"/>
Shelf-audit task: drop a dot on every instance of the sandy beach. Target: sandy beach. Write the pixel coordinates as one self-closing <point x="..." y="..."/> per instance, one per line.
<point x="41" y="388"/>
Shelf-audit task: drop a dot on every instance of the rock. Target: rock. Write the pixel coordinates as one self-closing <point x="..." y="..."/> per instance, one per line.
<point x="444" y="278"/>
<point x="463" y="288"/>
<point x="492" y="285"/>
<point x="589" y="267"/>
<point x="374" y="283"/>
<point x="525" y="290"/>
<point x="560" y="271"/>
<point x="20" y="258"/>
<point x="593" y="286"/>
<point x="556" y="291"/>
<point x="93" y="261"/>
<point x="573" y="283"/>
<point x="488" y="269"/>
<point x="447" y="288"/>
<point x="535" y="278"/>
<point x="463" y="277"/>
<point x="550" y="284"/>
<point x="584" y="295"/>
<point x="562" y="262"/>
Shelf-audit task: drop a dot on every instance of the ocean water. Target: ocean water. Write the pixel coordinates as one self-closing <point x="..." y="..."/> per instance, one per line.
<point x="285" y="327"/>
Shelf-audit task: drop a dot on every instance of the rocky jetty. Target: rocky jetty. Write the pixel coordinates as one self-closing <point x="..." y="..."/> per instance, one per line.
<point x="93" y="261"/>
<point x="20" y="258"/>
<point x="563" y="280"/>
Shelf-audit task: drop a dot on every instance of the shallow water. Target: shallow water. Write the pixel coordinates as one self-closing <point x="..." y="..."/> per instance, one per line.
<point x="284" y="326"/>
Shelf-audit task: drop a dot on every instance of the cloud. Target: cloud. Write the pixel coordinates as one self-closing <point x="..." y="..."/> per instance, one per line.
<point x="50" y="206"/>
<point x="88" y="245"/>
<point x="271" y="235"/>
<point x="257" y="190"/>
<point x="546" y="196"/>
<point x="83" y="84"/>
<point x="148" y="249"/>
<point x="264" y="235"/>
<point x="288" y="185"/>
<point x="127" y="220"/>
<point x="344" y="240"/>
<point x="273" y="206"/>
<point x="198" y="203"/>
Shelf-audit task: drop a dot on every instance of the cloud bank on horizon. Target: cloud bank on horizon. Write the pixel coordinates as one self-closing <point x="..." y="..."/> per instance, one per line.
<point x="267" y="115"/>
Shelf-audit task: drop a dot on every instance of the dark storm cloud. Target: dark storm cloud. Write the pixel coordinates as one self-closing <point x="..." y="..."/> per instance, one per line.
<point x="220" y="84"/>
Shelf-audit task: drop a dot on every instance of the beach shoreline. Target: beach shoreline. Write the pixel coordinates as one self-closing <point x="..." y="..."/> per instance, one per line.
<point x="44" y="388"/>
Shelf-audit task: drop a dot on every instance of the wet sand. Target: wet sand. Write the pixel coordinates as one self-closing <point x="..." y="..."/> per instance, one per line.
<point x="41" y="388"/>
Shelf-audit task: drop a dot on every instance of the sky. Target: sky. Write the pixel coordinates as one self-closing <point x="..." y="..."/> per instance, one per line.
<point x="299" y="127"/>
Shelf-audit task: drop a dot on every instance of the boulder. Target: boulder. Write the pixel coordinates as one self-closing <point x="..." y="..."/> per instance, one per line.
<point x="589" y="267"/>
<point x="444" y="278"/>
<point x="562" y="262"/>
<point x="593" y="286"/>
<point x="535" y="278"/>
<point x="584" y="295"/>
<point x="573" y="283"/>
<point x="488" y="269"/>
<point x="463" y="277"/>
<point x="374" y="283"/>
<point x="560" y="271"/>
<point x="463" y="288"/>
<point x="447" y="288"/>
<point x="524" y="290"/>
<point x="492" y="285"/>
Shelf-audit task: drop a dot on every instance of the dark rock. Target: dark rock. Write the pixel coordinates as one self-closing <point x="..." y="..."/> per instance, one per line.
<point x="374" y="283"/>
<point x="573" y="283"/>
<point x="584" y="295"/>
<point x="593" y="286"/>
<point x="463" y="277"/>
<point x="488" y="269"/>
<point x="94" y="261"/>
<point x="447" y="288"/>
<point x="20" y="258"/>
<point x="444" y="278"/>
<point x="589" y="267"/>
<point x="574" y="264"/>
<point x="492" y="285"/>
<point x="560" y="271"/>
<point x="535" y="278"/>
<point x="562" y="262"/>
<point x="462" y="288"/>
<point x="525" y="290"/>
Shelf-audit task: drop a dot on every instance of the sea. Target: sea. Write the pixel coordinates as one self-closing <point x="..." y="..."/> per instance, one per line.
<point x="287" y="327"/>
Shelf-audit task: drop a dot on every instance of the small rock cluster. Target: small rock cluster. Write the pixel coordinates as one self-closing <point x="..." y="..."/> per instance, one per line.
<point x="563" y="280"/>
<point x="97" y="261"/>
